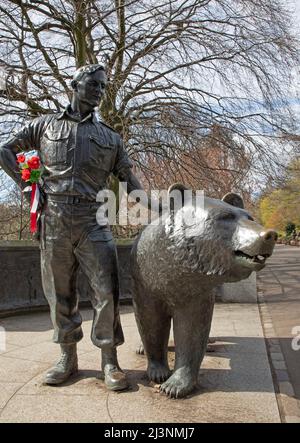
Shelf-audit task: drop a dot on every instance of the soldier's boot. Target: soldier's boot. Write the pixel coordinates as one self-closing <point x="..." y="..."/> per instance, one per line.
<point x="65" y="367"/>
<point x="114" y="377"/>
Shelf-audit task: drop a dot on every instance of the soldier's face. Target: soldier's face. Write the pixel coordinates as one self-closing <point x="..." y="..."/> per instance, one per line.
<point x="91" y="87"/>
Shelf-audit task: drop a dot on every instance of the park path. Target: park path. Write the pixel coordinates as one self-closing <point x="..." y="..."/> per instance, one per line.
<point x="280" y="285"/>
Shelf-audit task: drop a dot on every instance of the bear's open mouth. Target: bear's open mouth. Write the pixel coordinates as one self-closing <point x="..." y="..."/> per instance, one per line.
<point x="259" y="258"/>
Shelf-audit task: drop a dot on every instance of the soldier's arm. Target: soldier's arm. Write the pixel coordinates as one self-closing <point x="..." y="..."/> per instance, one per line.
<point x="26" y="139"/>
<point x="123" y="170"/>
<point x="126" y="175"/>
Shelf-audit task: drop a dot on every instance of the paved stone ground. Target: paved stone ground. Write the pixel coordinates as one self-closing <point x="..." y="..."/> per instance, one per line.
<point x="279" y="290"/>
<point x="235" y="383"/>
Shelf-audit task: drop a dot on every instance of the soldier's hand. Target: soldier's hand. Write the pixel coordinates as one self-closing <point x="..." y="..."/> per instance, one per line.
<point x="42" y="200"/>
<point x="37" y="235"/>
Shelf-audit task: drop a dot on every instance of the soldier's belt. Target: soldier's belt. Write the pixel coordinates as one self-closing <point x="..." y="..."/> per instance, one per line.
<point x="70" y="199"/>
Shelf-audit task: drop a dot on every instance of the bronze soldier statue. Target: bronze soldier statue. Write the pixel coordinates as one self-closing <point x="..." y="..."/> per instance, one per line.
<point x="78" y="153"/>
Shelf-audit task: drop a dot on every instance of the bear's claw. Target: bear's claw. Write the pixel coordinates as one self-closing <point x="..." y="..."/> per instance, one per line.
<point x="176" y="388"/>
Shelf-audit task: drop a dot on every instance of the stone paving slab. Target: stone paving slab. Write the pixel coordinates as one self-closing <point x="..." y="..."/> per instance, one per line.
<point x="235" y="383"/>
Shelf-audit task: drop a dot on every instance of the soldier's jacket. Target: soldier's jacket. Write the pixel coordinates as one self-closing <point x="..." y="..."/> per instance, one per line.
<point x="77" y="156"/>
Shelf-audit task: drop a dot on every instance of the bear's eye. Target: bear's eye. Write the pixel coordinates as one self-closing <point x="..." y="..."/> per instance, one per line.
<point x="228" y="216"/>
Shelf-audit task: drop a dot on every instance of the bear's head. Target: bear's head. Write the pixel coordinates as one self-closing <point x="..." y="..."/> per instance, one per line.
<point x="220" y="239"/>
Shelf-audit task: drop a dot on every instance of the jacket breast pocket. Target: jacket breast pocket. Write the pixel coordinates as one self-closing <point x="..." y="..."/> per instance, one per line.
<point x="100" y="153"/>
<point x="54" y="147"/>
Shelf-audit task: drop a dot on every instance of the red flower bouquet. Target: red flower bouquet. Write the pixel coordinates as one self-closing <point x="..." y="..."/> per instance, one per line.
<point x="26" y="174"/>
<point x="31" y="171"/>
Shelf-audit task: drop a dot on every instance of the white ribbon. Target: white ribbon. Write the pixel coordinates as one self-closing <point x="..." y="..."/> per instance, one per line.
<point x="36" y="200"/>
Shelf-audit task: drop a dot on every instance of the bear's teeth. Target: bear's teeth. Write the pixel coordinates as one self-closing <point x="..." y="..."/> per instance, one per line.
<point x="260" y="258"/>
<point x="244" y="255"/>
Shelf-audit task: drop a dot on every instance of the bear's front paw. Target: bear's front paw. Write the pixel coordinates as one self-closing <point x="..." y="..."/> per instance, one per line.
<point x="158" y="372"/>
<point x="178" y="386"/>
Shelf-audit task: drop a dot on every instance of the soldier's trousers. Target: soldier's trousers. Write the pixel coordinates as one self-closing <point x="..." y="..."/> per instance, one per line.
<point x="71" y="238"/>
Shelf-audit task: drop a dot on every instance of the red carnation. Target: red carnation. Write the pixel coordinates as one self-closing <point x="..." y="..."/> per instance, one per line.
<point x="21" y="158"/>
<point x="25" y="174"/>
<point x="34" y="162"/>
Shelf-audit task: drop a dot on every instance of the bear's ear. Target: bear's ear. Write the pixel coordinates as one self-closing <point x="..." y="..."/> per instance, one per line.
<point x="234" y="200"/>
<point x="177" y="186"/>
<point x="172" y="189"/>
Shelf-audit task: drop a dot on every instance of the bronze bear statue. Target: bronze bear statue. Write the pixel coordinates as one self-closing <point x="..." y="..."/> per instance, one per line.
<point x="175" y="268"/>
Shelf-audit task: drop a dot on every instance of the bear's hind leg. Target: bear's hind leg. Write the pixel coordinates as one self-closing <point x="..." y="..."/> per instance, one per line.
<point x="154" y="324"/>
<point x="191" y="325"/>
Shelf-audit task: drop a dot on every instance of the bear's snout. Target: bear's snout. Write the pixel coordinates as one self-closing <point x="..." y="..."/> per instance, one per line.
<point x="270" y="236"/>
<point x="268" y="239"/>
